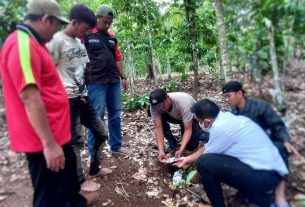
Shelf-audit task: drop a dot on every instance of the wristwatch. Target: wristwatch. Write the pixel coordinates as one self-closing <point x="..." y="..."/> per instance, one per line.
<point x="123" y="78"/>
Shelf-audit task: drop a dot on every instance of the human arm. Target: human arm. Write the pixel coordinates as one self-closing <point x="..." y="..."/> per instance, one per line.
<point x="37" y="116"/>
<point x="185" y="138"/>
<point x="118" y="59"/>
<point x="268" y="119"/>
<point x="292" y="150"/>
<point x="189" y="159"/>
<point x="277" y="128"/>
<point x="160" y="139"/>
<point x="54" y="47"/>
<point x="122" y="75"/>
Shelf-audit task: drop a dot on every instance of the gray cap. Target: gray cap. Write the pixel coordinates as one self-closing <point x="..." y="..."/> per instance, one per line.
<point x="105" y="11"/>
<point x="41" y="7"/>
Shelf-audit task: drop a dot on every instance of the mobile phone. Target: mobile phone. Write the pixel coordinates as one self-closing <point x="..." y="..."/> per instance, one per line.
<point x="171" y="160"/>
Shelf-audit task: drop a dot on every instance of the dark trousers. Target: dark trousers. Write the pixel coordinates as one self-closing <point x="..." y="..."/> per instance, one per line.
<point x="55" y="189"/>
<point x="83" y="113"/>
<point x="197" y="133"/>
<point x="255" y="185"/>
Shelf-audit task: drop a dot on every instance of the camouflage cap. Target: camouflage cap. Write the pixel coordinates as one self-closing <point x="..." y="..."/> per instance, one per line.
<point x="41" y="7"/>
<point x="105" y="11"/>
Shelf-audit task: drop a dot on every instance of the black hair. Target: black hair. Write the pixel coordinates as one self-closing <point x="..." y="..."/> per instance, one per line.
<point x="33" y="17"/>
<point x="81" y="13"/>
<point x="205" y="109"/>
<point x="37" y="17"/>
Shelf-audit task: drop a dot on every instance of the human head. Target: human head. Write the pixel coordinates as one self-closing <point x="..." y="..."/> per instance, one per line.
<point x="44" y="16"/>
<point x="82" y="20"/>
<point x="233" y="93"/>
<point x="159" y="101"/>
<point x="104" y="15"/>
<point x="205" y="111"/>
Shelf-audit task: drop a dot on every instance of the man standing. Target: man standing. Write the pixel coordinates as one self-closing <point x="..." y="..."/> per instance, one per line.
<point x="263" y="114"/>
<point x="37" y="108"/>
<point x="166" y="108"/>
<point x="238" y="154"/>
<point x="103" y="76"/>
<point x="70" y="58"/>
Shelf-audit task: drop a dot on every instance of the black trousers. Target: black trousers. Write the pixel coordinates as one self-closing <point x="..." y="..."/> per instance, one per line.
<point x="83" y="113"/>
<point x="197" y="133"/>
<point x="53" y="189"/>
<point x="256" y="186"/>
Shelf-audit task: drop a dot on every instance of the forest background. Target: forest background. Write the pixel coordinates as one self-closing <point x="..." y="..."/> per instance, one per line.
<point x="197" y="46"/>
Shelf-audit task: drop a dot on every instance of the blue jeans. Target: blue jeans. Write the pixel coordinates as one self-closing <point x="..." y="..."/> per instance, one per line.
<point x="108" y="95"/>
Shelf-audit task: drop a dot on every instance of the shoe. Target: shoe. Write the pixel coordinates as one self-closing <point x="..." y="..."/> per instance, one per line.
<point x="170" y="149"/>
<point x="122" y="150"/>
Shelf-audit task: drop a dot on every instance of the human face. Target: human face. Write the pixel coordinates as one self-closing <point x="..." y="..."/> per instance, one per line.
<point x="103" y="23"/>
<point x="233" y="99"/>
<point x="81" y="29"/>
<point x="167" y="105"/>
<point x="51" y="26"/>
<point x="205" y="124"/>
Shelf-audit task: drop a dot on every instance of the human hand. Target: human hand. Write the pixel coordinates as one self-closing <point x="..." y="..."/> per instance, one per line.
<point x="54" y="156"/>
<point x="180" y="162"/>
<point x="292" y="150"/>
<point x="124" y="84"/>
<point x="162" y="157"/>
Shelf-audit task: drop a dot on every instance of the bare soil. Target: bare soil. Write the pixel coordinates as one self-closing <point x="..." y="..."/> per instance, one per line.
<point x="139" y="179"/>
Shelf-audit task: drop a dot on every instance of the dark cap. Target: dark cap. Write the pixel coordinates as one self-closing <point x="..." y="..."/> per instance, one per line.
<point x="50" y="7"/>
<point x="105" y="11"/>
<point x="156" y="99"/>
<point x="232" y="86"/>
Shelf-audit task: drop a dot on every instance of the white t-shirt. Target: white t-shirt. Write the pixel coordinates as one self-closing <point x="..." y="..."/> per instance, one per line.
<point x="70" y="57"/>
<point x="240" y="137"/>
<point x="181" y="110"/>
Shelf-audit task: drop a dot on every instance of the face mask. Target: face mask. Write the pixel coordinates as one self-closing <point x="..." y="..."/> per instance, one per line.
<point x="204" y="128"/>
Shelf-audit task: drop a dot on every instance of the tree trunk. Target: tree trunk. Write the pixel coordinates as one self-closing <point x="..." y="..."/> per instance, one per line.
<point x="169" y="70"/>
<point x="191" y="20"/>
<point x="153" y="66"/>
<point x="278" y="95"/>
<point x="131" y="76"/>
<point x="150" y="72"/>
<point x="288" y="41"/>
<point x="222" y="39"/>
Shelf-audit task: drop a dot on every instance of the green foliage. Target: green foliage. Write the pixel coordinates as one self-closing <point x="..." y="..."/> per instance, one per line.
<point x="11" y="12"/>
<point x="166" y="22"/>
<point x="135" y="103"/>
<point x="173" y="86"/>
<point x="184" y="76"/>
<point x="132" y="103"/>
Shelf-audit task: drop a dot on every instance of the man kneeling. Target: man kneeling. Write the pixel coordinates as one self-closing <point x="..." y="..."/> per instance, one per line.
<point x="166" y="108"/>
<point x="238" y="154"/>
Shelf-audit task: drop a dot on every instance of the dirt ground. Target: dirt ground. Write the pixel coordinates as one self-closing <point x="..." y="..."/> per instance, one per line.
<point x="139" y="179"/>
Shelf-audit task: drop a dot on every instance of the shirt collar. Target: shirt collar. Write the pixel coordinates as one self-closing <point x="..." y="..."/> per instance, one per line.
<point x="28" y="29"/>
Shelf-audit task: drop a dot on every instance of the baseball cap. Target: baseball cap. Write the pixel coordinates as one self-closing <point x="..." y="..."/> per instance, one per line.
<point x="156" y="99"/>
<point x="41" y="7"/>
<point x="232" y="86"/>
<point x="105" y="11"/>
